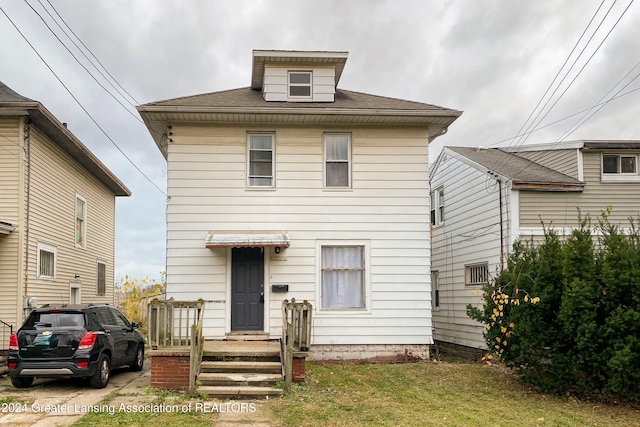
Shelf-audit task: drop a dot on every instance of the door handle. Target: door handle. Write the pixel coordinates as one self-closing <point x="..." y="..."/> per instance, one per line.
<point x="262" y="297"/>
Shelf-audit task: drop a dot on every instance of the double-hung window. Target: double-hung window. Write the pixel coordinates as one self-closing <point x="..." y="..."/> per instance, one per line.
<point x="260" y="162"/>
<point x="337" y="160"/>
<point x="81" y="222"/>
<point x="343" y="277"/>
<point x="437" y="206"/>
<point x="46" y="261"/>
<point x="300" y="85"/>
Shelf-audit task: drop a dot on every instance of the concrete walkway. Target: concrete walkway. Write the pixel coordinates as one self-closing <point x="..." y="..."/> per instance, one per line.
<point x="61" y="402"/>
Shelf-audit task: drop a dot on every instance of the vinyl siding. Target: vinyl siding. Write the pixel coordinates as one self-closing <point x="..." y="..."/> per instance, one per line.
<point x="564" y="161"/>
<point x="561" y="209"/>
<point x="470" y="234"/>
<point x="386" y="210"/>
<point x="11" y="158"/>
<point x="55" y="181"/>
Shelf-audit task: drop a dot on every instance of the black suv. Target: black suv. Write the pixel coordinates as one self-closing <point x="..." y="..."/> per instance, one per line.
<point x="84" y="341"/>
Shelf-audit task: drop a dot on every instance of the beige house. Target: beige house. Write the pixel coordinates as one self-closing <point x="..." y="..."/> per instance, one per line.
<point x="57" y="213"/>
<point x="484" y="199"/>
<point x="294" y="188"/>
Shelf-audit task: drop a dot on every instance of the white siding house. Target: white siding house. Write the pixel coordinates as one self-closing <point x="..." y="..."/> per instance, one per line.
<point x="493" y="196"/>
<point x="293" y="188"/>
<point x="57" y="213"/>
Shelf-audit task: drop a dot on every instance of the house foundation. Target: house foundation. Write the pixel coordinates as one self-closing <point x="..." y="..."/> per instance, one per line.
<point x="372" y="352"/>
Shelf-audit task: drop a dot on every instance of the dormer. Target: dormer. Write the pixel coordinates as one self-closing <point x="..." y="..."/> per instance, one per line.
<point x="297" y="76"/>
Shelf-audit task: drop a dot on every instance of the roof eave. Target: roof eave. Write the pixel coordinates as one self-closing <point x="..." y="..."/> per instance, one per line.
<point x="547" y="186"/>
<point x="60" y="135"/>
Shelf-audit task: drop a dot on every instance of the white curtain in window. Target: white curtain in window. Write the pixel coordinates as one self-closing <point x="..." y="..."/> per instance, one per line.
<point x="342" y="277"/>
<point x="337" y="147"/>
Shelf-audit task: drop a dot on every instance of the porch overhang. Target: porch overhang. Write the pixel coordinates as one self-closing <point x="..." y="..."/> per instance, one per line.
<point x="6" y="228"/>
<point x="246" y="239"/>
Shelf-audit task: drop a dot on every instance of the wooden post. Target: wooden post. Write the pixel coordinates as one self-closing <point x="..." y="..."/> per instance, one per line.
<point x="289" y="357"/>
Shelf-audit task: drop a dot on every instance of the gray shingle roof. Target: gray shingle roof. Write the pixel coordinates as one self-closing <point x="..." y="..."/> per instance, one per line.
<point x="247" y="97"/>
<point x="9" y="95"/>
<point x="518" y="169"/>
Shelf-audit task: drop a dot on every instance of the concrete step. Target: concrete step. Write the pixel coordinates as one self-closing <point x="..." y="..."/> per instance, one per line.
<point x="246" y="392"/>
<point x="241" y="367"/>
<point x="239" y="379"/>
<point x="266" y="351"/>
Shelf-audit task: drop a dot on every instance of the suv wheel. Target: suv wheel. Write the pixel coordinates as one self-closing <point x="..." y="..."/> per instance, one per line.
<point x="21" y="382"/>
<point x="139" y="360"/>
<point x="100" y="378"/>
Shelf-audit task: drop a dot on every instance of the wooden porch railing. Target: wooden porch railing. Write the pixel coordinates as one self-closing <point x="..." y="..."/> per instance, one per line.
<point x="296" y="333"/>
<point x="170" y="322"/>
<point x="197" y="348"/>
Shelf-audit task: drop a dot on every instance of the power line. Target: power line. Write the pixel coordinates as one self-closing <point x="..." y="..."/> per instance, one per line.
<point x="80" y="104"/>
<point x="78" y="61"/>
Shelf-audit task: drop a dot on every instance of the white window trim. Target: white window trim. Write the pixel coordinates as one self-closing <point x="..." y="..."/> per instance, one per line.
<point x="83" y="244"/>
<point x="467" y="271"/>
<point x="436" y="205"/>
<point x="48" y="248"/>
<point x="310" y="85"/>
<point x="273" y="162"/>
<point x="75" y="285"/>
<point x="619" y="176"/>
<point x="98" y="262"/>
<point x="341" y="312"/>
<point x="349" y="162"/>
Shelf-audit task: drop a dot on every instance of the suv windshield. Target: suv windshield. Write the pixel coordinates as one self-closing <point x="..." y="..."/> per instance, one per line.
<point x="55" y="319"/>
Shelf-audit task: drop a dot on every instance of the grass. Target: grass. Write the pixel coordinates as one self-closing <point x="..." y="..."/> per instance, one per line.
<point x="445" y="394"/>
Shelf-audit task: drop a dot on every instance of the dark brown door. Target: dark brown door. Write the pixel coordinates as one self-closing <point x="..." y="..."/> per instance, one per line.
<point x="247" y="290"/>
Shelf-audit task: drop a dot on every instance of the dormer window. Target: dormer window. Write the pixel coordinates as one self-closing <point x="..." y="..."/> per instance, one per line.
<point x="300" y="84"/>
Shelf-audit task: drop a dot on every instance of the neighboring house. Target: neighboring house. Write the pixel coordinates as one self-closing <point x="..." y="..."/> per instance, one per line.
<point x="57" y="213"/>
<point x="293" y="188"/>
<point x="486" y="198"/>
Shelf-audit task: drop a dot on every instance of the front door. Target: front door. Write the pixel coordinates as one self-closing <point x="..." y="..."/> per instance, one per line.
<point x="247" y="289"/>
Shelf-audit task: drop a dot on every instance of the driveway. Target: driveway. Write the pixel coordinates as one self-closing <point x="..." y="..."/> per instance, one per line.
<point x="62" y="402"/>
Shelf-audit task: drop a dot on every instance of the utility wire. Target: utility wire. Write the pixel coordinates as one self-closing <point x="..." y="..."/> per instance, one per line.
<point x="80" y="104"/>
<point x="80" y="63"/>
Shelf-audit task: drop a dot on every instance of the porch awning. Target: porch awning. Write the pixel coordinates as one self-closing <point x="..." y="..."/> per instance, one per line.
<point x="246" y="239"/>
<point x="6" y="228"/>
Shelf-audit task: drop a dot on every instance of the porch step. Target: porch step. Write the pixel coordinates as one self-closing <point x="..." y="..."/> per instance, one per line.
<point x="243" y="392"/>
<point x="241" y="367"/>
<point x="239" y="379"/>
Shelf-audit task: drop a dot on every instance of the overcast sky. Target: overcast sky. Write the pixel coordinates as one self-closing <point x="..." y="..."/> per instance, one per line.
<point x="492" y="59"/>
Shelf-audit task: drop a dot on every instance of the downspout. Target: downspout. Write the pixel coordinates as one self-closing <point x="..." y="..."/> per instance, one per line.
<point x="501" y="226"/>
<point x="27" y="143"/>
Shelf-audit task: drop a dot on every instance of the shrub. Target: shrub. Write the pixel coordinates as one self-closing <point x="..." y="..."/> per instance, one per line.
<point x="565" y="315"/>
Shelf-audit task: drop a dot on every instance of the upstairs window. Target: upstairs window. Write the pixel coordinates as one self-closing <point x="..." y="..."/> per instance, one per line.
<point x="437" y="206"/>
<point x="81" y="221"/>
<point x="337" y="160"/>
<point x="260" y="161"/>
<point x="620" y="168"/>
<point x="300" y="84"/>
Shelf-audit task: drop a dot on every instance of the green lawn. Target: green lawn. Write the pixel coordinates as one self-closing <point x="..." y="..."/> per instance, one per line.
<point x="445" y="394"/>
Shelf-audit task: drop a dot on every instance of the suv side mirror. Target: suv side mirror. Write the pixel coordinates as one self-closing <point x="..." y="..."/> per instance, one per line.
<point x="134" y="325"/>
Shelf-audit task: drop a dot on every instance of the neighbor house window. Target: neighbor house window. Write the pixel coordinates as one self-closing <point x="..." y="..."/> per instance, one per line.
<point x="343" y="277"/>
<point x="437" y="206"/>
<point x="619" y="164"/>
<point x="337" y="160"/>
<point x="435" y="285"/>
<point x="261" y="160"/>
<point x="299" y="84"/>
<point x="101" y="288"/>
<point x="477" y="274"/>
<point x="46" y="261"/>
<point x="81" y="221"/>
